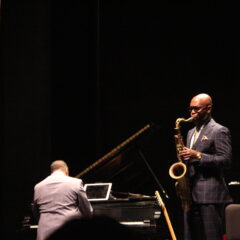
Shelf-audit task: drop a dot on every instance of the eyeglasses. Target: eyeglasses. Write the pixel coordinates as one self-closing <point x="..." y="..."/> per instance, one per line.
<point x="197" y="108"/>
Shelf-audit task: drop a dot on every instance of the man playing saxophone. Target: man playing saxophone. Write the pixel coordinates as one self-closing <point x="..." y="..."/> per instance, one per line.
<point x="208" y="153"/>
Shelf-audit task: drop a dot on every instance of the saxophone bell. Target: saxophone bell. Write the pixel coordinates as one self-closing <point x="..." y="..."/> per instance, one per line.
<point x="177" y="170"/>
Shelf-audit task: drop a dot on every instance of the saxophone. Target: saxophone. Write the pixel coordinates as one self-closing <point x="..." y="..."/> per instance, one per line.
<point x="178" y="170"/>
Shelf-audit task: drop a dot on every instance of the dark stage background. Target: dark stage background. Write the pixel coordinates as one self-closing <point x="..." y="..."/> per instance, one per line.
<point x="79" y="78"/>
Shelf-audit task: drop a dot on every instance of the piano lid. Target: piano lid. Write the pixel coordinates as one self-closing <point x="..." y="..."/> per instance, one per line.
<point x="125" y="166"/>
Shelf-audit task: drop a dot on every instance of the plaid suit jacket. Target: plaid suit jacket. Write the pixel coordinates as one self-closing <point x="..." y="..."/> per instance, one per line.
<point x="207" y="175"/>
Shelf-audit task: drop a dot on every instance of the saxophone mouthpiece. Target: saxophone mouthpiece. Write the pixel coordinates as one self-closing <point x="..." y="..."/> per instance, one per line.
<point x="191" y="119"/>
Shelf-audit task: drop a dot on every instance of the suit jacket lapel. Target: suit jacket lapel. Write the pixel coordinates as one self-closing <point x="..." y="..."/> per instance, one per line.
<point x="204" y="132"/>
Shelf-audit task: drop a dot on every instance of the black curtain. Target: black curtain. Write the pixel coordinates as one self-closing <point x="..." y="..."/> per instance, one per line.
<point x="26" y="108"/>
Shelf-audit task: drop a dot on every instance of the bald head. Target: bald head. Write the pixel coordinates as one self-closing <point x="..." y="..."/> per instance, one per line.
<point x="59" y="165"/>
<point x="202" y="99"/>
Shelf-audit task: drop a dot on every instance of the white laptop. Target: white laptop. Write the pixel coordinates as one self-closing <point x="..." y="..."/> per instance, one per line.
<point x="98" y="191"/>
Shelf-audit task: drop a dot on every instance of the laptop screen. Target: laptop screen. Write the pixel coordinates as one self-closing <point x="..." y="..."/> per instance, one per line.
<point x="98" y="191"/>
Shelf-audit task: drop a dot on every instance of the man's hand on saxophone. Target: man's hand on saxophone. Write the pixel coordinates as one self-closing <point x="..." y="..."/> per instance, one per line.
<point x="188" y="153"/>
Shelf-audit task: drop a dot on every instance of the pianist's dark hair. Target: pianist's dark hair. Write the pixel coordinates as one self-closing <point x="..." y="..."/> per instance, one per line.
<point x="58" y="164"/>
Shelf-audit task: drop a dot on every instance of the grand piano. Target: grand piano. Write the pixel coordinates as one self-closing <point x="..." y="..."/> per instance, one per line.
<point x="132" y="199"/>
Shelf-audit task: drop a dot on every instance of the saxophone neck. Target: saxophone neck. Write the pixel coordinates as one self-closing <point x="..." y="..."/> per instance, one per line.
<point x="179" y="120"/>
<point x="178" y="136"/>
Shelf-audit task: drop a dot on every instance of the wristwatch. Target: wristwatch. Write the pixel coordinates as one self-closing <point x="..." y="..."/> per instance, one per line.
<point x="199" y="155"/>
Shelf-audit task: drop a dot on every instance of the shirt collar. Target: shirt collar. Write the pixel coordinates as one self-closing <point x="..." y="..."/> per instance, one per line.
<point x="58" y="172"/>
